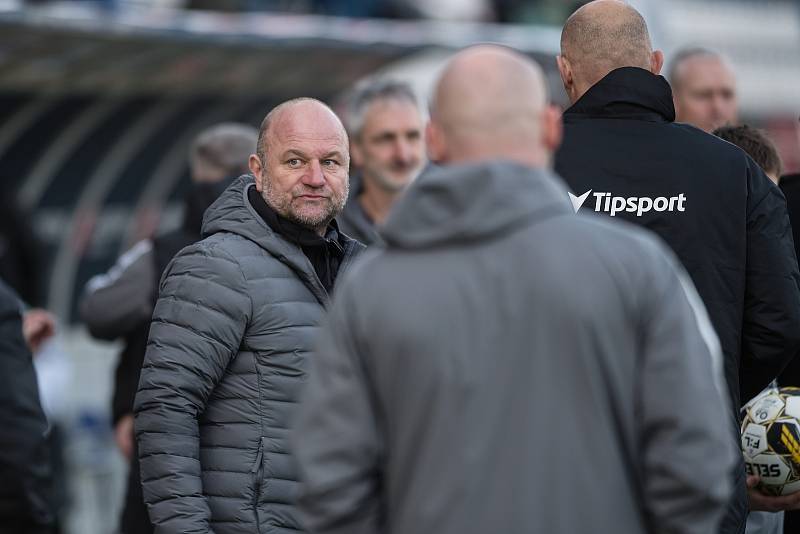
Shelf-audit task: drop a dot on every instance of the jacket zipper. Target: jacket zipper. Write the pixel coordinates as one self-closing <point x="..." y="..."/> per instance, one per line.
<point x="258" y="474"/>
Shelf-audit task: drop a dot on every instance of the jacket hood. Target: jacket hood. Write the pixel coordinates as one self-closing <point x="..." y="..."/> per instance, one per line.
<point x="627" y="92"/>
<point x="473" y="202"/>
<point x="233" y="213"/>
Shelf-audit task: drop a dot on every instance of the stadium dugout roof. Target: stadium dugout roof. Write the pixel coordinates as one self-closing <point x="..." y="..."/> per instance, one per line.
<point x="76" y="47"/>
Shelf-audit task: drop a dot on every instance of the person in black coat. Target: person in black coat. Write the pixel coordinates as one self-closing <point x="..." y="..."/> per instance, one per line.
<point x="26" y="505"/>
<point x="790" y="185"/>
<point x="624" y="156"/>
<point x="764" y="152"/>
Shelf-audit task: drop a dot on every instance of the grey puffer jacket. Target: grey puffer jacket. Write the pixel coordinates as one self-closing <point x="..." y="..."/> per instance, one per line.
<point x="231" y="332"/>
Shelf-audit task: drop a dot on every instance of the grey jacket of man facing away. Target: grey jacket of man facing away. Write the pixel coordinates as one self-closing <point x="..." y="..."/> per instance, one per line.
<point x="232" y="331"/>
<point x="508" y="366"/>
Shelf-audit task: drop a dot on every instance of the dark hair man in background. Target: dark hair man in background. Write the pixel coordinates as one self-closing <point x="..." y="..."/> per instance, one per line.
<point x="757" y="145"/>
<point x="386" y="126"/>
<point x="451" y="389"/>
<point x="623" y="155"/>
<point x="703" y="89"/>
<point x="119" y="304"/>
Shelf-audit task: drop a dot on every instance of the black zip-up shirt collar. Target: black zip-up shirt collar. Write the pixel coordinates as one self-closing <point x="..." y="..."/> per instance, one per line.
<point x="324" y="253"/>
<point x="627" y="92"/>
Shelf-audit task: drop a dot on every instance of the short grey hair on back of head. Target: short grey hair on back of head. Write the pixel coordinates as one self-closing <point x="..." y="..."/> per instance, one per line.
<point x="364" y="94"/>
<point x="223" y="148"/>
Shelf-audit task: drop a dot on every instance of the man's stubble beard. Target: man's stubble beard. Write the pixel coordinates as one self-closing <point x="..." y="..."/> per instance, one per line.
<point x="282" y="205"/>
<point x="384" y="182"/>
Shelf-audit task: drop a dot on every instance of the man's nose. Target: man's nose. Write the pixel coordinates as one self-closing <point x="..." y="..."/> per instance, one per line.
<point x="719" y="104"/>
<point x="402" y="151"/>
<point x="314" y="177"/>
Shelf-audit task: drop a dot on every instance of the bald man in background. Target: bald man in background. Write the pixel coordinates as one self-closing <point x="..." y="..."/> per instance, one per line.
<point x="703" y="89"/>
<point x="623" y="156"/>
<point x="505" y="366"/>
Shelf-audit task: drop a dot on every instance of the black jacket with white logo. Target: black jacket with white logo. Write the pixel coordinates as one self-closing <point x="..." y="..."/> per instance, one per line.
<point x="708" y="200"/>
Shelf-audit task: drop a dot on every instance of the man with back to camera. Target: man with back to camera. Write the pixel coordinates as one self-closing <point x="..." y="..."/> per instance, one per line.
<point x="232" y="331"/>
<point x="624" y="156"/>
<point x="385" y="125"/>
<point x="703" y="89"/>
<point x="503" y="360"/>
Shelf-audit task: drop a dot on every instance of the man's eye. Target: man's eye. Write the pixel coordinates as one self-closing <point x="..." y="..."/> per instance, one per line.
<point x="294" y="162"/>
<point x="330" y="163"/>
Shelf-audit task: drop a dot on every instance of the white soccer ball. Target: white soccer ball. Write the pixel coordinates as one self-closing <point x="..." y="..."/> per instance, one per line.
<point x="771" y="439"/>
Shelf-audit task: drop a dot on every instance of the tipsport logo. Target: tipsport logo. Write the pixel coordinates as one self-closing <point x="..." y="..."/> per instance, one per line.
<point x="606" y="202"/>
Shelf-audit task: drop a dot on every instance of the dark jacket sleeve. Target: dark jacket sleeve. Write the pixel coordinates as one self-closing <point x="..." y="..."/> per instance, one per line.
<point x="117" y="302"/>
<point x="685" y="424"/>
<point x="25" y="475"/>
<point x="198" y="325"/>
<point x="336" y="440"/>
<point x="771" y="330"/>
<point x="126" y="375"/>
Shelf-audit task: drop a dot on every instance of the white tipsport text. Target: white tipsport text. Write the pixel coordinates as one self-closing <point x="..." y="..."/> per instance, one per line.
<point x="606" y="202"/>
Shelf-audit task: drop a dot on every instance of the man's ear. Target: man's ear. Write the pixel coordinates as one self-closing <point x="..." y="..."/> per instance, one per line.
<point x="254" y="163"/>
<point x="656" y="61"/>
<point x="435" y="143"/>
<point x="565" y="70"/>
<point x="552" y="128"/>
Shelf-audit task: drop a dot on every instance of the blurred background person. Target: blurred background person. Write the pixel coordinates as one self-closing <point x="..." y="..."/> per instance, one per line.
<point x="731" y="233"/>
<point x="385" y="124"/>
<point x="21" y="266"/>
<point x="790" y="185"/>
<point x="26" y="492"/>
<point x="119" y="304"/>
<point x="757" y="145"/>
<point x="703" y="89"/>
<point x="766" y="511"/>
<point x="450" y="388"/>
<point x="20" y="252"/>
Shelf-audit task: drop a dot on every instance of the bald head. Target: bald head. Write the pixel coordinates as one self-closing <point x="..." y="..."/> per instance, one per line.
<point x="703" y="89"/>
<point x="602" y="36"/>
<point x="301" y="164"/>
<point x="303" y="113"/>
<point x="489" y="103"/>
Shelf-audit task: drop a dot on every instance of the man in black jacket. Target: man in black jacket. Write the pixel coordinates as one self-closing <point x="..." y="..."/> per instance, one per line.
<point x="624" y="156"/>
<point x="25" y="475"/>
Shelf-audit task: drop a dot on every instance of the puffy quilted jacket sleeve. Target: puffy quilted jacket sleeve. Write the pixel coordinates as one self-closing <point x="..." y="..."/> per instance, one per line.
<point x="198" y="324"/>
<point x="771" y="332"/>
